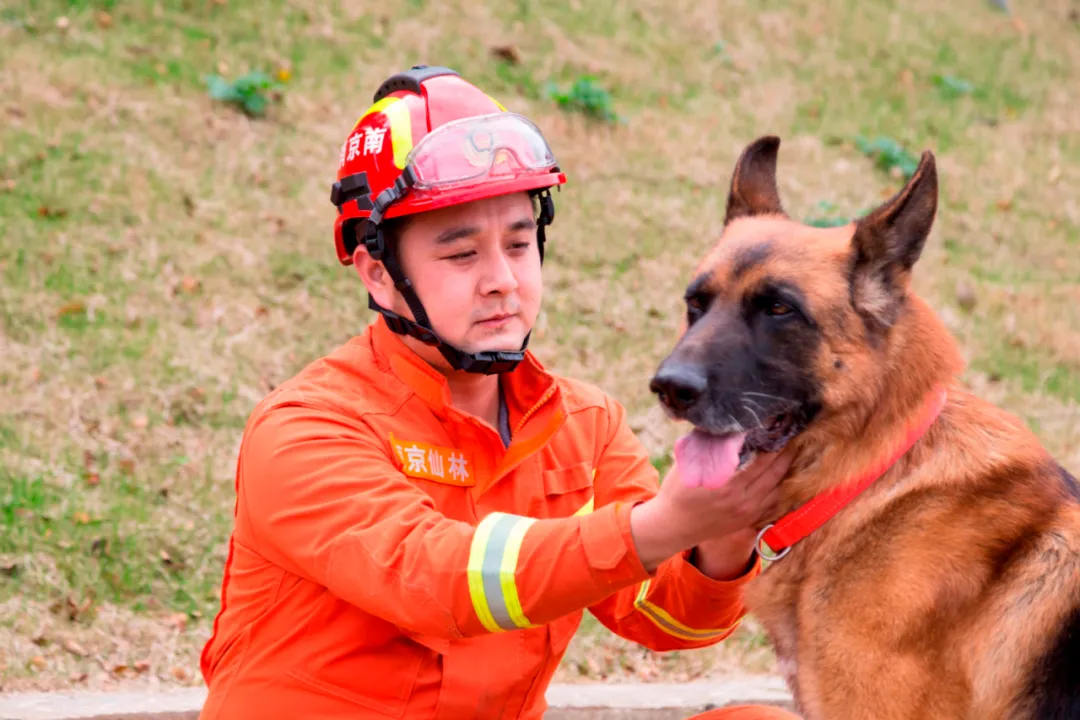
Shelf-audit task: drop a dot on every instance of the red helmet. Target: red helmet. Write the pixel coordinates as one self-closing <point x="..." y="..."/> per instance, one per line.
<point x="432" y="140"/>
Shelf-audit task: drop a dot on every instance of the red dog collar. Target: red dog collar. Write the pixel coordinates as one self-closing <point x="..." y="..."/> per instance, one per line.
<point x="778" y="537"/>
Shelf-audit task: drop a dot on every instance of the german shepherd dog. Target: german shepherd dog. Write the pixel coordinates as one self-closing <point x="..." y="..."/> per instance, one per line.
<point x="950" y="586"/>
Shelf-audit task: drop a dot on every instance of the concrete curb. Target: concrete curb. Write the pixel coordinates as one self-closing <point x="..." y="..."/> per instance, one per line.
<point x="638" y="701"/>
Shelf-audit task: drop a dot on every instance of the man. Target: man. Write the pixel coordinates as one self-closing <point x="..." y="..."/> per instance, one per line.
<point x="423" y="515"/>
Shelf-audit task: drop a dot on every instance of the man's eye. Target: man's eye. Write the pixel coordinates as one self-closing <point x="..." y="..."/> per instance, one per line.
<point x="461" y="255"/>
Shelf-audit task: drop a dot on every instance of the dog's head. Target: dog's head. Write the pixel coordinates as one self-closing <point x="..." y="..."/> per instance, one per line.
<point x="784" y="320"/>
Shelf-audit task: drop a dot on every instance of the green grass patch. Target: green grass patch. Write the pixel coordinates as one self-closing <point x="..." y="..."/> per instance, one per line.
<point x="952" y="87"/>
<point x="826" y="215"/>
<point x="586" y="96"/>
<point x="253" y="92"/>
<point x="889" y="155"/>
<point x="1032" y="369"/>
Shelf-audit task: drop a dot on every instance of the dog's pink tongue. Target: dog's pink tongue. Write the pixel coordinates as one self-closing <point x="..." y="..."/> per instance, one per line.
<point x="707" y="460"/>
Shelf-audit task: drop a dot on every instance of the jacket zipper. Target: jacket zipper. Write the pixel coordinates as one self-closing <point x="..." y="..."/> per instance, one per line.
<point x="533" y="410"/>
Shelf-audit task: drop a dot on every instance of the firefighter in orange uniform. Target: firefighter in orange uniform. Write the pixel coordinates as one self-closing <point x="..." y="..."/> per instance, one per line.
<point x="423" y="515"/>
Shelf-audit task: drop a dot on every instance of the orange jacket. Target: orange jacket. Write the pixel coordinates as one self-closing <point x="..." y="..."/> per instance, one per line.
<point x="391" y="558"/>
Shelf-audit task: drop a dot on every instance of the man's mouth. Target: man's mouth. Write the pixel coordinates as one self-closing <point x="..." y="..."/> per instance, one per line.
<point x="495" y="320"/>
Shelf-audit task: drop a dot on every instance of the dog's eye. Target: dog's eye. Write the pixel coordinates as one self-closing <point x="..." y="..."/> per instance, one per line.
<point x="695" y="308"/>
<point x="777" y="309"/>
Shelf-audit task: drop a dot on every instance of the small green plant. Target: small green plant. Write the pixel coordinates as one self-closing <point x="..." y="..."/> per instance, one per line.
<point x="888" y="155"/>
<point x="252" y="93"/>
<point x="952" y="87"/>
<point x="587" y="97"/>
<point x="826" y="216"/>
<point x="719" y="50"/>
<point x="100" y="4"/>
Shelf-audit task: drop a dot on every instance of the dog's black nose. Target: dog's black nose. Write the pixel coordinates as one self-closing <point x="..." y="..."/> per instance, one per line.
<point x="679" y="386"/>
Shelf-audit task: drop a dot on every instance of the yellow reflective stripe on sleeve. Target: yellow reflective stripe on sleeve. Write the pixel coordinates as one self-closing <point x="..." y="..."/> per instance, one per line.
<point x="476" y="566"/>
<point x="642" y="593"/>
<point x="591" y="504"/>
<point x="586" y="508"/>
<point x="493" y="559"/>
<point x="514" y="540"/>
<point x="663" y="620"/>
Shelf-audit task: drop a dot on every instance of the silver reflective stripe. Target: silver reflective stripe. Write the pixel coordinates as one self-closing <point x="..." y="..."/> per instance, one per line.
<point x="492" y="570"/>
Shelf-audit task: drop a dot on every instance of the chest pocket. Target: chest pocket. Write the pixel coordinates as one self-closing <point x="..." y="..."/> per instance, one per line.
<point x="567" y="491"/>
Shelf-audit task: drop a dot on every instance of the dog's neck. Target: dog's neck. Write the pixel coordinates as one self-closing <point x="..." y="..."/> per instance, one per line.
<point x="841" y="445"/>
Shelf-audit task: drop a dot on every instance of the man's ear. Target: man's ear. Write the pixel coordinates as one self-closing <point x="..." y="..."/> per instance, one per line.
<point x="374" y="276"/>
<point x="888" y="242"/>
<point x="753" y="184"/>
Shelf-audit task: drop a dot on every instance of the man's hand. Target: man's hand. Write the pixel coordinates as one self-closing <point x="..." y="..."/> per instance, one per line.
<point x="727" y="557"/>
<point x="682" y="517"/>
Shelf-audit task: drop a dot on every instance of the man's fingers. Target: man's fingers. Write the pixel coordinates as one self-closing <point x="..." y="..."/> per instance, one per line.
<point x="766" y="471"/>
<point x="769" y="506"/>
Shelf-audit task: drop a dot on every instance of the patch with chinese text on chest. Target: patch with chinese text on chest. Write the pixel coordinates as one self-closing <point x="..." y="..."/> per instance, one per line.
<point x="425" y="461"/>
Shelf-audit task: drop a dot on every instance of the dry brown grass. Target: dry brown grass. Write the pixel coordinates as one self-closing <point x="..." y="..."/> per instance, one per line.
<point x="165" y="261"/>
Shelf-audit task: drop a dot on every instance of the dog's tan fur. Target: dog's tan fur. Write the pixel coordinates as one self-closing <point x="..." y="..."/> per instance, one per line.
<point x="937" y="591"/>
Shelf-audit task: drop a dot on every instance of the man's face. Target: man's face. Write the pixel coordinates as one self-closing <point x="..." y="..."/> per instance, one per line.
<point x="476" y="269"/>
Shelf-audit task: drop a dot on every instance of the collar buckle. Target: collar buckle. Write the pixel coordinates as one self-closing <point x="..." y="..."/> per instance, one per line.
<point x="761" y="546"/>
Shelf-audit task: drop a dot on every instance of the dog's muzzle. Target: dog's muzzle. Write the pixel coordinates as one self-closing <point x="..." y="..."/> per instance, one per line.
<point x="679" y="387"/>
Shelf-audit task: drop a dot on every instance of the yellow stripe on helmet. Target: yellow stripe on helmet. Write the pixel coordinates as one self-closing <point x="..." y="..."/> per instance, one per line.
<point x="398" y="118"/>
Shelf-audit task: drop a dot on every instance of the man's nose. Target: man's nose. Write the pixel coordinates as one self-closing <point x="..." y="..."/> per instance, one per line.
<point x="499" y="277"/>
<point x="679" y="386"/>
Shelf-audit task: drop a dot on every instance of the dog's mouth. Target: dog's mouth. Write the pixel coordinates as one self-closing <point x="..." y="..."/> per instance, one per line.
<point x="771" y="435"/>
<point x="774" y="433"/>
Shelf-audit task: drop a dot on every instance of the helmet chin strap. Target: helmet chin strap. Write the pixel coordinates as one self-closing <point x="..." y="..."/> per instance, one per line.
<point x="484" y="363"/>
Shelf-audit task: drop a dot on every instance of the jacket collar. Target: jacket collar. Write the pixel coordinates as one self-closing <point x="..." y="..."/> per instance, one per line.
<point x="525" y="387"/>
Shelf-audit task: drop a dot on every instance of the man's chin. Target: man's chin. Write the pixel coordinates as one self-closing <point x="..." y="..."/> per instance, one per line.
<point x="509" y="340"/>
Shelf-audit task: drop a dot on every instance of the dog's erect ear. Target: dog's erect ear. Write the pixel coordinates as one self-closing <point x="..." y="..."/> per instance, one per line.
<point x="888" y="242"/>
<point x="753" y="184"/>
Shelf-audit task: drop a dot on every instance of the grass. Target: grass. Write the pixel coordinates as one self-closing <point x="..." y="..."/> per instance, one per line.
<point x="166" y="260"/>
<point x="889" y="155"/>
<point x="586" y="97"/>
<point x="252" y="92"/>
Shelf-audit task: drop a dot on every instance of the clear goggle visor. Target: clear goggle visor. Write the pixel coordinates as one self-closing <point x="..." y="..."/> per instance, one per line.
<point x="494" y="147"/>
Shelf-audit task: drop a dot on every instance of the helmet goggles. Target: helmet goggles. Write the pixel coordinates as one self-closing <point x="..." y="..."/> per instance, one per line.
<point x="498" y="147"/>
